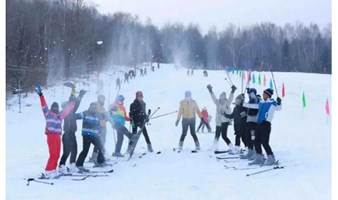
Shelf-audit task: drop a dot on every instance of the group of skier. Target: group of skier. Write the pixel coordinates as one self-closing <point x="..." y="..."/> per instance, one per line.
<point x="94" y="130"/>
<point x="252" y="122"/>
<point x="252" y="125"/>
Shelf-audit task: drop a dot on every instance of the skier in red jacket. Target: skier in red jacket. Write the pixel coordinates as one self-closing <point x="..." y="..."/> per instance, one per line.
<point x="53" y="131"/>
<point x="205" y="119"/>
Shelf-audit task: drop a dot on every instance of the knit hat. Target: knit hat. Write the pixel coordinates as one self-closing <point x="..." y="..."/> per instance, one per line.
<point x="139" y="94"/>
<point x="120" y="98"/>
<point x="252" y="90"/>
<point x="268" y="92"/>
<point x="187" y="94"/>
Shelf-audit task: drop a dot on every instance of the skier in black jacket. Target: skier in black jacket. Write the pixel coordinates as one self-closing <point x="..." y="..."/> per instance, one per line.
<point x="138" y="117"/>
<point x="239" y="116"/>
<point x="69" y="139"/>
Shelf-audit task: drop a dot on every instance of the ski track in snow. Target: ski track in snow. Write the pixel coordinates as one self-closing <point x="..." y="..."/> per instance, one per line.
<point x="300" y="139"/>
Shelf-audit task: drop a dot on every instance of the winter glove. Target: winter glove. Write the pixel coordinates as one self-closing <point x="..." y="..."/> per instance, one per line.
<point x="279" y="101"/>
<point x="242" y="114"/>
<point x="82" y="93"/>
<point x="209" y="88"/>
<point x="38" y="89"/>
<point x="176" y="123"/>
<point x="69" y="84"/>
<point x="233" y="88"/>
<point x="227" y="115"/>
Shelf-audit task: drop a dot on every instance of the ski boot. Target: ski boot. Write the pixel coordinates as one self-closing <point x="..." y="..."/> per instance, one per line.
<point x="270" y="160"/>
<point x="197" y="146"/>
<point x="150" y="148"/>
<point x="180" y="147"/>
<point x="258" y="161"/>
<point x="118" y="155"/>
<point x="81" y="170"/>
<point x="62" y="169"/>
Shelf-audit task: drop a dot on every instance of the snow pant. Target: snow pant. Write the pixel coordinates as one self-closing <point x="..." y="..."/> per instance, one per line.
<point x="203" y="124"/>
<point x="250" y="134"/>
<point x="224" y="130"/>
<point x="144" y="132"/>
<point x="263" y="138"/>
<point x="240" y="134"/>
<point x="69" y="147"/>
<point x="102" y="135"/>
<point x="121" y="131"/>
<point x="87" y="140"/>
<point x="54" y="147"/>
<point x="189" y="123"/>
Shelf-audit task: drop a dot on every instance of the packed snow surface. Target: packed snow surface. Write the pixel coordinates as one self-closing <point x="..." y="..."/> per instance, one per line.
<point x="300" y="139"/>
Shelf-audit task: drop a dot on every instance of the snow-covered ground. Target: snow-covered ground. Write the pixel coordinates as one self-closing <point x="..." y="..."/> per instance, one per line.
<point x="301" y="140"/>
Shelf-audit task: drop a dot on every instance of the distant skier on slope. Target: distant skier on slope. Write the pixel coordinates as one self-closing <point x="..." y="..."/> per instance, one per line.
<point x="118" y="117"/>
<point x="251" y="123"/>
<point x="90" y="135"/>
<point x="204" y="120"/>
<point x="266" y="109"/>
<point x="222" y="106"/>
<point x="239" y="116"/>
<point x="53" y="131"/>
<point x="69" y="138"/>
<point x="138" y="116"/>
<point x="118" y="83"/>
<point x="187" y="110"/>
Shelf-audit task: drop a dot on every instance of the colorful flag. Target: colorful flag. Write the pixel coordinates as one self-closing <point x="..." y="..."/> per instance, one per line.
<point x="283" y="90"/>
<point x="249" y="77"/>
<point x="253" y="78"/>
<point x="264" y="81"/>
<point x="259" y="79"/>
<point x="303" y="100"/>
<point x="327" y="107"/>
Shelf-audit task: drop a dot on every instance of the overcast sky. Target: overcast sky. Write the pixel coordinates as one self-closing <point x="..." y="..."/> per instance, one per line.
<point x="222" y="12"/>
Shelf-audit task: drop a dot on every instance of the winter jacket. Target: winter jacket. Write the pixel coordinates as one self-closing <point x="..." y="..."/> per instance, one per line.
<point x="91" y="122"/>
<point x="54" y="120"/>
<point x="222" y="108"/>
<point x="252" y="111"/>
<point x="137" y="112"/>
<point x="266" y="109"/>
<point x="118" y="115"/>
<point x="239" y="116"/>
<point x="205" y="115"/>
<point x="69" y="125"/>
<point x="187" y="110"/>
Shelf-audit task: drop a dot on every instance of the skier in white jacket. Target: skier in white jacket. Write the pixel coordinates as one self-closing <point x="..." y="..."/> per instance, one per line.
<point x="222" y="107"/>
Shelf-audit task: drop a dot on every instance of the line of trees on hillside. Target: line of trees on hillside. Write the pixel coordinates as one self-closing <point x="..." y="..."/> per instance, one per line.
<point x="50" y="40"/>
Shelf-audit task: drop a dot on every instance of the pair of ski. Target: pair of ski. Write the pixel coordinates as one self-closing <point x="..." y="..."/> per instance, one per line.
<point x="269" y="168"/>
<point x="132" y="145"/>
<point x="80" y="177"/>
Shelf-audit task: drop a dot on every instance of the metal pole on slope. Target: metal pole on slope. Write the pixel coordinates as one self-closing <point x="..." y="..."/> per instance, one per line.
<point x="274" y="83"/>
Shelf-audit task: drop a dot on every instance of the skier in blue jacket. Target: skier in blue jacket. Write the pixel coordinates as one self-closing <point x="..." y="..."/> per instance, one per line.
<point x="266" y="109"/>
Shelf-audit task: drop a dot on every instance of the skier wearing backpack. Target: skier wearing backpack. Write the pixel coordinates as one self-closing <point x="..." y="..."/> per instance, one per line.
<point x="266" y="109"/>
<point x="90" y="135"/>
<point x="138" y="117"/>
<point x="251" y="123"/>
<point x="53" y="131"/>
<point x="68" y="138"/>
<point x="118" y="117"/>
<point x="222" y="122"/>
<point x="187" y="110"/>
<point x="204" y="120"/>
<point x="239" y="116"/>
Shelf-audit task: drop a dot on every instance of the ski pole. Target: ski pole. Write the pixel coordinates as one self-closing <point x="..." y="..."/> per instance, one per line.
<point x="37" y="181"/>
<point x="266" y="170"/>
<point x="165" y="114"/>
<point x="274" y="82"/>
